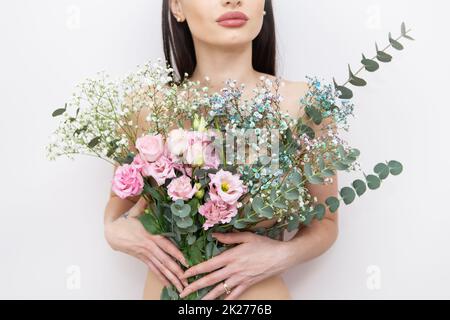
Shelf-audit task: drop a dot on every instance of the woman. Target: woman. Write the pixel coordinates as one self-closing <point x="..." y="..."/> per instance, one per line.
<point x="202" y="39"/>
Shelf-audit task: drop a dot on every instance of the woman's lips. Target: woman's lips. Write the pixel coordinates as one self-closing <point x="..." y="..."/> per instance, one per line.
<point x="232" y="19"/>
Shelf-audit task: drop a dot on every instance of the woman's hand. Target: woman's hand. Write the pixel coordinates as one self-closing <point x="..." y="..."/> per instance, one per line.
<point x="129" y="236"/>
<point x="253" y="260"/>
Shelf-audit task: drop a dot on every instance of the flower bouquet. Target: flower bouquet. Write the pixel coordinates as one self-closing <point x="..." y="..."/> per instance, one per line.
<point x="214" y="162"/>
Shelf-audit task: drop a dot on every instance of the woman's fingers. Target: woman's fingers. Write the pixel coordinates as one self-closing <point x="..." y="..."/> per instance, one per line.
<point x="209" y="265"/>
<point x="155" y="270"/>
<point x="138" y="208"/>
<point x="167" y="273"/>
<point x="171" y="249"/>
<point x="169" y="263"/>
<point x="207" y="281"/>
<point x="236" y="292"/>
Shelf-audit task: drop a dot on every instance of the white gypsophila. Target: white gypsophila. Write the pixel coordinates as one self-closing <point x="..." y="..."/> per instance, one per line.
<point x="102" y="117"/>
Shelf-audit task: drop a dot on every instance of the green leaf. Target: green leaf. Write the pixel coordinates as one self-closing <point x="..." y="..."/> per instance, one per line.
<point x="354" y="152"/>
<point x="304" y="129"/>
<point x="360" y="187"/>
<point x="348" y="195"/>
<point x="60" y="111"/>
<point x="369" y="64"/>
<point x="354" y="80"/>
<point x="332" y="203"/>
<point x="319" y="211"/>
<point x="404" y="32"/>
<point x="373" y="182"/>
<point x="294" y="223"/>
<point x="314" y="114"/>
<point x="80" y="130"/>
<point x="316" y="179"/>
<point x="239" y="224"/>
<point x="180" y="209"/>
<point x="191" y="239"/>
<point x="308" y="169"/>
<point x="383" y="56"/>
<point x="381" y="170"/>
<point x="94" y="142"/>
<point x="184" y="223"/>
<point x="291" y="194"/>
<point x="150" y="223"/>
<point x="341" y="166"/>
<point x="403" y="28"/>
<point x="295" y="178"/>
<point x="261" y="208"/>
<point x="153" y="192"/>
<point x="257" y="204"/>
<point x="395" y="167"/>
<point x="328" y="172"/>
<point x="346" y="93"/>
<point x="169" y="293"/>
<point x="394" y="43"/>
<point x="194" y="204"/>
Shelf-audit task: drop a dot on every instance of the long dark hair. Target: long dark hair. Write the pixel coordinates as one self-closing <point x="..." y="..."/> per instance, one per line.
<point x="179" y="47"/>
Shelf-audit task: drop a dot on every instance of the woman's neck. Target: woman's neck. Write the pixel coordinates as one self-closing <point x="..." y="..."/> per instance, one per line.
<point x="219" y="64"/>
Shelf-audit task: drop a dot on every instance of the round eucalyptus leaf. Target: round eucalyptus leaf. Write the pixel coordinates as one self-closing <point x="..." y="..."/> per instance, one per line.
<point x="328" y="173"/>
<point x="257" y="204"/>
<point x="346" y="93"/>
<point x="240" y="224"/>
<point x="319" y="211"/>
<point x="291" y="194"/>
<point x="308" y="169"/>
<point x="370" y="65"/>
<point x="184" y="223"/>
<point x="304" y="129"/>
<point x="314" y="114"/>
<point x="381" y="170"/>
<point x="360" y="187"/>
<point x="394" y="43"/>
<point x="384" y="57"/>
<point x="296" y="178"/>
<point x="180" y="209"/>
<point x="348" y="195"/>
<point x="293" y="223"/>
<point x="190" y="239"/>
<point x="395" y="167"/>
<point x="354" y="80"/>
<point x="339" y="165"/>
<point x="373" y="182"/>
<point x="316" y="179"/>
<point x="332" y="203"/>
<point x="267" y="212"/>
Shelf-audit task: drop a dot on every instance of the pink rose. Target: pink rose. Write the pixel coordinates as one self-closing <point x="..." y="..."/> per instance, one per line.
<point x="127" y="181"/>
<point x="150" y="147"/>
<point x="139" y="163"/>
<point x="217" y="212"/>
<point x="160" y="170"/>
<point x="226" y="187"/>
<point x="177" y="141"/>
<point x="211" y="157"/>
<point x="177" y="162"/>
<point x="194" y="150"/>
<point x="181" y="188"/>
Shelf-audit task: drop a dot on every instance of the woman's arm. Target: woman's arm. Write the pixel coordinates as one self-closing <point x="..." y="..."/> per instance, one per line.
<point x="310" y="242"/>
<point x="117" y="206"/>
<point x="129" y="236"/>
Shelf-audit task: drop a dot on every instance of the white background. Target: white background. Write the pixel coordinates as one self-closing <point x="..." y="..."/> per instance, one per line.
<point x="393" y="242"/>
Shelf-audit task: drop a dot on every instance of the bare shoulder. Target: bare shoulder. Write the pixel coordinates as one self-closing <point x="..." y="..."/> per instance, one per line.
<point x="292" y="92"/>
